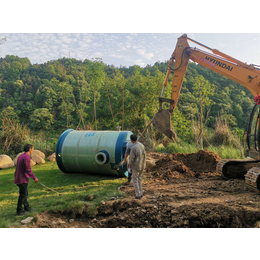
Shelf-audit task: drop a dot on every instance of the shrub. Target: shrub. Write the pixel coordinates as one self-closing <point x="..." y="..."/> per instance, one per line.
<point x="13" y="135"/>
<point x="45" y="145"/>
<point x="221" y="132"/>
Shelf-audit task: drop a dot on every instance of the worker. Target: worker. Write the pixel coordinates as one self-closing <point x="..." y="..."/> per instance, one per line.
<point x="127" y="153"/>
<point x="137" y="163"/>
<point x="22" y="174"/>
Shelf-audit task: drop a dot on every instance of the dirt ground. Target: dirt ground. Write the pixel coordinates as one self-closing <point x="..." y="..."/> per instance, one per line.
<point x="180" y="190"/>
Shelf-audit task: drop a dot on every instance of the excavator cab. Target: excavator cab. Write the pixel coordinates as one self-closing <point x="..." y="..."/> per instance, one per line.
<point x="253" y="133"/>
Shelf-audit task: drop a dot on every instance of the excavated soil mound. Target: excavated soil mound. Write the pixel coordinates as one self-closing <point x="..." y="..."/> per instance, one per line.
<point x="201" y="162"/>
<point x="175" y="166"/>
<point x="154" y="156"/>
<point x="167" y="169"/>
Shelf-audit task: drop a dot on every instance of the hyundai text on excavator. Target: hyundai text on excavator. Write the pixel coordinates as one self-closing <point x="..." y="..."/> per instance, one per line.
<point x="240" y="72"/>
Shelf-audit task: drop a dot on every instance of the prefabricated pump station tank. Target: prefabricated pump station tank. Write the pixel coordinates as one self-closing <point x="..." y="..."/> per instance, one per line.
<point x="94" y="152"/>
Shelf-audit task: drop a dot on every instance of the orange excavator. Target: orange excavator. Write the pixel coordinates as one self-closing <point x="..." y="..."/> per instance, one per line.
<point x="240" y="72"/>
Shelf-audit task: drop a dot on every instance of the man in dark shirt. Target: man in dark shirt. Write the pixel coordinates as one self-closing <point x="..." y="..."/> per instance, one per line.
<point x="22" y="174"/>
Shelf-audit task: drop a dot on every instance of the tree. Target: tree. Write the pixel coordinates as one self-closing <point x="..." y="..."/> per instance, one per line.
<point x="46" y="97"/>
<point x="12" y="133"/>
<point x="96" y="78"/>
<point x="181" y="125"/>
<point x="66" y="107"/>
<point x="202" y="90"/>
<point x="86" y="94"/>
<point x="41" y="119"/>
<point x="10" y="112"/>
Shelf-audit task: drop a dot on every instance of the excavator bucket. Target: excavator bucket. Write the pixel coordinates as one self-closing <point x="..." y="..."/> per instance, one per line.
<point x="162" y="122"/>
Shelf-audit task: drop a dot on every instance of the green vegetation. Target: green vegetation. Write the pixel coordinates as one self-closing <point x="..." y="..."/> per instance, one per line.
<point x="38" y="102"/>
<point x="224" y="151"/>
<point x="48" y="98"/>
<point x="75" y="190"/>
<point x="69" y="93"/>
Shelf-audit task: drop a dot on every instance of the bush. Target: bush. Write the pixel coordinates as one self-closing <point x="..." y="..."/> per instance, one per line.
<point x="221" y="132"/>
<point x="41" y="119"/>
<point x="12" y="136"/>
<point x="45" y="145"/>
<point x="225" y="137"/>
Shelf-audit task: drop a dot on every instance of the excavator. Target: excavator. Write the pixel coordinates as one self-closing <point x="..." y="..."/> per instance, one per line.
<point x="240" y="72"/>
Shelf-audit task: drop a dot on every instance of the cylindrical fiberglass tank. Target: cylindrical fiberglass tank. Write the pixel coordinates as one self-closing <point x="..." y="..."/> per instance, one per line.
<point x="94" y="152"/>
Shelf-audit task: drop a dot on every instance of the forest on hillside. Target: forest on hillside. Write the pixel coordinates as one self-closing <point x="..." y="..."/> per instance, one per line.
<point x="69" y="93"/>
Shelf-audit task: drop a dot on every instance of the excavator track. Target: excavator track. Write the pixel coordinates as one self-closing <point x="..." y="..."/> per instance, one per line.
<point x="252" y="179"/>
<point x="235" y="169"/>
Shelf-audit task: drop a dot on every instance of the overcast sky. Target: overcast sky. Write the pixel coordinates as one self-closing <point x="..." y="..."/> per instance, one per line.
<point x="125" y="49"/>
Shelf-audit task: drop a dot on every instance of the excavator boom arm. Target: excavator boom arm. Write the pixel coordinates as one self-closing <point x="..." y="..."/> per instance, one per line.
<point x="240" y="72"/>
<point x="246" y="75"/>
<point x="250" y="78"/>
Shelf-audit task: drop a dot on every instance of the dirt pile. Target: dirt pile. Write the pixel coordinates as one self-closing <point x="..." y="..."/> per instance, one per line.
<point x="201" y="162"/>
<point x="178" y="165"/>
<point x="190" y="202"/>
<point x="168" y="168"/>
<point x="193" y="203"/>
<point x="125" y="213"/>
<point x="154" y="156"/>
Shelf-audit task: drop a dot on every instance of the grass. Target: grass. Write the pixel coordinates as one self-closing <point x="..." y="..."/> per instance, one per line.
<point x="74" y="189"/>
<point x="224" y="151"/>
<point x="227" y="152"/>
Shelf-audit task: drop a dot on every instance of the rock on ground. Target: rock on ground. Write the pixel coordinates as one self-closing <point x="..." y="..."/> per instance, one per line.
<point x="38" y="157"/>
<point x="6" y="161"/>
<point x="27" y="220"/>
<point x="39" y="153"/>
<point x="32" y="163"/>
<point x="16" y="158"/>
<point x="52" y="157"/>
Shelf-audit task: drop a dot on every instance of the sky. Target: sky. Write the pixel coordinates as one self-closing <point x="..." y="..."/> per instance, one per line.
<point x="123" y="49"/>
